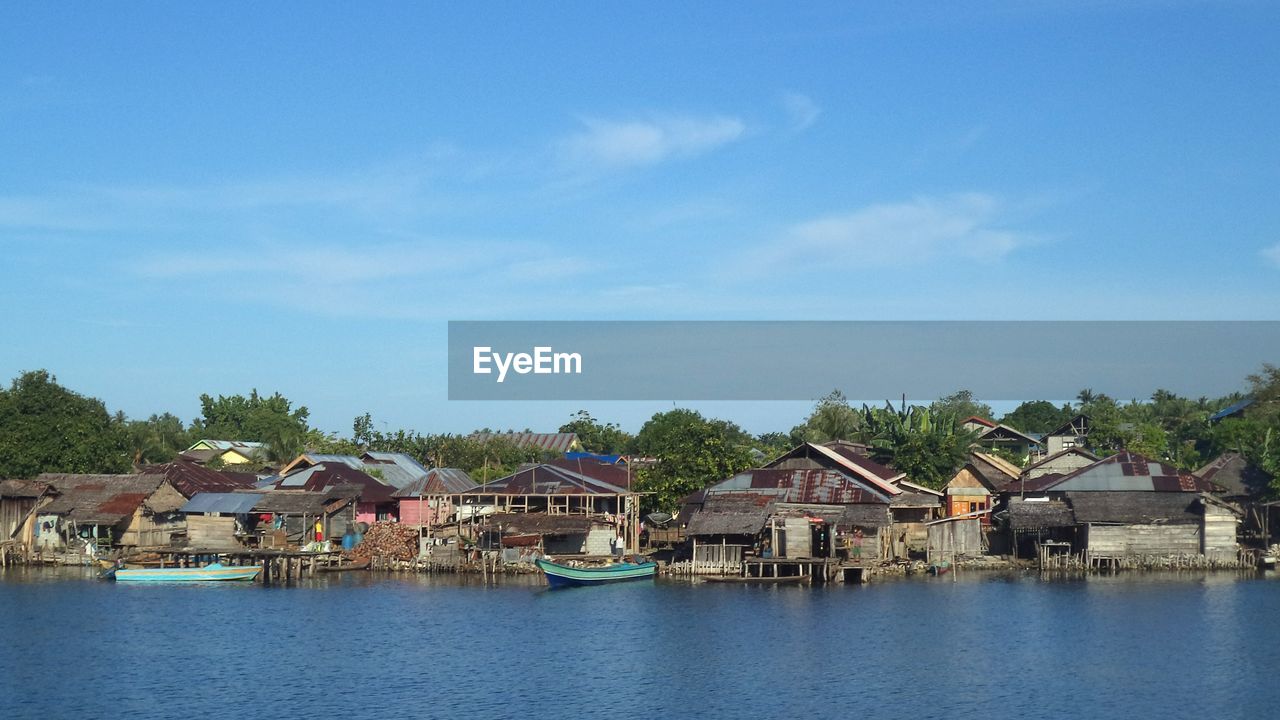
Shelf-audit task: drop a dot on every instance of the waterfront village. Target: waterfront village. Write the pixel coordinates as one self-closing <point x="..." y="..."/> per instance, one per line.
<point x="816" y="513"/>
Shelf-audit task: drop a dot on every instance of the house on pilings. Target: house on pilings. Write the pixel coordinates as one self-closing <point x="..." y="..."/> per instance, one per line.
<point x="568" y="488"/>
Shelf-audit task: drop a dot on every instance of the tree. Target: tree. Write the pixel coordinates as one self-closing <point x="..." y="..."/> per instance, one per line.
<point x="1038" y="416"/>
<point x="271" y="420"/>
<point x="960" y="405"/>
<point x="912" y="440"/>
<point x="596" y="437"/>
<point x="831" y="419"/>
<point x="691" y="451"/>
<point x="158" y="439"/>
<point x="45" y="427"/>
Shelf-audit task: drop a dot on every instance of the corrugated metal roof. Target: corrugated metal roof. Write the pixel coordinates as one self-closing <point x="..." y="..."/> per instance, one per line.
<point x="190" y="479"/>
<point x="553" y="442"/>
<point x="98" y="499"/>
<point x="547" y="480"/>
<point x="1004" y="432"/>
<point x="22" y="488"/>
<point x="330" y="475"/>
<point x="438" y="481"/>
<point x="1235" y="475"/>
<point x="224" y="445"/>
<point x="1124" y="472"/>
<point x="541" y="523"/>
<point x="1231" y="409"/>
<point x="846" y="460"/>
<point x="230" y="503"/>
<point x="828" y="487"/>
<point x="293" y="502"/>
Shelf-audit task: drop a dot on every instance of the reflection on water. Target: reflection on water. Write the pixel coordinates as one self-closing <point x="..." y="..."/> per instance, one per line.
<point x="363" y="645"/>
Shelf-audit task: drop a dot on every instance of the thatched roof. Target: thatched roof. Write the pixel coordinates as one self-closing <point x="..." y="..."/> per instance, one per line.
<point x="1039" y="514"/>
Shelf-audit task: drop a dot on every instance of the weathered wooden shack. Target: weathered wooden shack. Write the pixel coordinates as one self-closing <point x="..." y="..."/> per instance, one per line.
<point x="550" y="489"/>
<point x="967" y="493"/>
<point x="286" y="518"/>
<point x="956" y="537"/>
<point x="90" y="514"/>
<point x="1034" y="521"/>
<point x="1126" y="509"/>
<point x="375" y="497"/>
<point x="221" y="520"/>
<point x="1244" y="485"/>
<point x="18" y="501"/>
<point x="790" y="513"/>
<point x="911" y="510"/>
<point x="1120" y="526"/>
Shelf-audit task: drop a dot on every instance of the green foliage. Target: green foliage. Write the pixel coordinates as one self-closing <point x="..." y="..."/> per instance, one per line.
<point x="691" y="451"/>
<point x="831" y="419"/>
<point x="271" y="420"/>
<point x="928" y="448"/>
<point x="597" y="437"/>
<point x="158" y="439"/>
<point x="960" y="405"/>
<point x="1038" y="416"/>
<point x="45" y="427"/>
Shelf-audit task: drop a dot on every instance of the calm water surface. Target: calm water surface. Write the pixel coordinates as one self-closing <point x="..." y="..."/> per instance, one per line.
<point x="371" y="646"/>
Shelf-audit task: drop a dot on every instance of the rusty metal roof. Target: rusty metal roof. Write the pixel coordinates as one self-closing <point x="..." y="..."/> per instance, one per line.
<point x="731" y="514"/>
<point x="541" y="523"/>
<point x="553" y="442"/>
<point x="438" y="481"/>
<point x="98" y="499"/>
<point x="847" y="460"/>
<point x="191" y="479"/>
<point x="331" y="476"/>
<point x="827" y="487"/>
<point x="22" y="488"/>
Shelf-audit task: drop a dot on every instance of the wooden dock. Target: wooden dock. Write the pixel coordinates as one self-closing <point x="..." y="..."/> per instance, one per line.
<point x="278" y="566"/>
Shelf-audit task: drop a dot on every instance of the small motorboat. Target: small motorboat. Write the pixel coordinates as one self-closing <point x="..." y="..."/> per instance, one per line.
<point x="566" y="576"/>
<point x="208" y="573"/>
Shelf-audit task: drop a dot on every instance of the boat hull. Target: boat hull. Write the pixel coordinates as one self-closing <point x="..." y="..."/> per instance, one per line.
<point x="559" y="576"/>
<point x="209" y="573"/>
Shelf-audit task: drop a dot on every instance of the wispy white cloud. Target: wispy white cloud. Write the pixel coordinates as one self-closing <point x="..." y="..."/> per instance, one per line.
<point x="922" y="230"/>
<point x="1272" y="254"/>
<point x="801" y="110"/>
<point x="620" y="144"/>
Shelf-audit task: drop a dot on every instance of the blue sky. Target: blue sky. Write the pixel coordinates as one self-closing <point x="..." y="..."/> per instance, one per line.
<point x="212" y="198"/>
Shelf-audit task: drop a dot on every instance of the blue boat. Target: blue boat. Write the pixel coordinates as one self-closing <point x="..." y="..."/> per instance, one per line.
<point x="209" y="573"/>
<point x="565" y="576"/>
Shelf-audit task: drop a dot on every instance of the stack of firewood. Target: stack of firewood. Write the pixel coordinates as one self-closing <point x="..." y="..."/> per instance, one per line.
<point x="387" y="541"/>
